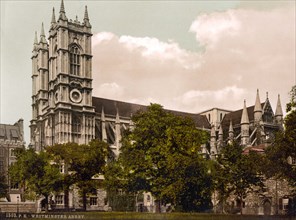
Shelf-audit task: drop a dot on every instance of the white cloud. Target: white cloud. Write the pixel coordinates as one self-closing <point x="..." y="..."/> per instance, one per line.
<point x="243" y="50"/>
<point x="209" y="28"/>
<point x="101" y="37"/>
<point x="109" y="90"/>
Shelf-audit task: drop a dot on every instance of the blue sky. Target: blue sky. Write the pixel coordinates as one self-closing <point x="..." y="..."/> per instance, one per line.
<point x="185" y="55"/>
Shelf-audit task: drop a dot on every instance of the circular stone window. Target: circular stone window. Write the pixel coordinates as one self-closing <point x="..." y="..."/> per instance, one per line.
<point x="75" y="96"/>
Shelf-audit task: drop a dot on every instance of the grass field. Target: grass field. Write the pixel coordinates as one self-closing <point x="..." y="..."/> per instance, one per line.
<point x="146" y="216"/>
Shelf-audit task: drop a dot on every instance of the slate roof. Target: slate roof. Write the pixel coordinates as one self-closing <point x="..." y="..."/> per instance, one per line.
<point x="236" y="116"/>
<point x="9" y="132"/>
<point x="126" y="109"/>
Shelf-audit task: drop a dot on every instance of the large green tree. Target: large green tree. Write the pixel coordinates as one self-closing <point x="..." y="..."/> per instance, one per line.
<point x="237" y="173"/>
<point x="82" y="163"/>
<point x="161" y="155"/>
<point x="35" y="173"/>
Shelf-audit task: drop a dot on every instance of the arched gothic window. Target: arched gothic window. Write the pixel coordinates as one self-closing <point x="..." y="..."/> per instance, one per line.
<point x="74" y="60"/>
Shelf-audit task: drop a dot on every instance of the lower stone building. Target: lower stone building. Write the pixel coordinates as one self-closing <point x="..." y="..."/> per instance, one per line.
<point x="11" y="138"/>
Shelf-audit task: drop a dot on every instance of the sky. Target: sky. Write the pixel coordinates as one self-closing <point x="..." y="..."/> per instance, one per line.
<point x="185" y="55"/>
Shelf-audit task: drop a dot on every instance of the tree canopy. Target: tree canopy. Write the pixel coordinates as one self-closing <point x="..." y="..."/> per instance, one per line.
<point x="35" y="173"/>
<point x="161" y="155"/>
<point x="236" y="173"/>
<point x="282" y="153"/>
<point x="82" y="163"/>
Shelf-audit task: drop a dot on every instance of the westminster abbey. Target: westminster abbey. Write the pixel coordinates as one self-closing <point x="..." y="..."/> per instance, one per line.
<point x="64" y="110"/>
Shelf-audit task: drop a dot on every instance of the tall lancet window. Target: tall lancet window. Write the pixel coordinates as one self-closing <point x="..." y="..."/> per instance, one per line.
<point x="74" y="60"/>
<point x="76" y="124"/>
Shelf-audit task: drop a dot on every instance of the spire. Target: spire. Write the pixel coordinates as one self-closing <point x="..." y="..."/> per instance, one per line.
<point x="230" y="127"/>
<point x="86" y="14"/>
<point x="258" y="107"/>
<point x="62" y="9"/>
<point x="245" y="117"/>
<point x="62" y="12"/>
<point x="279" y="111"/>
<point x="42" y="35"/>
<point x="53" y="19"/>
<point x="86" y="18"/>
<point x="35" y="42"/>
<point x="230" y="132"/>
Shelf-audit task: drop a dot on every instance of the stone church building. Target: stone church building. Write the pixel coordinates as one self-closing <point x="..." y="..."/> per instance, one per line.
<point x="64" y="110"/>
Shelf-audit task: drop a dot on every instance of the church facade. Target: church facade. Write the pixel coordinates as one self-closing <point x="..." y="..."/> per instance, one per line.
<point x="64" y="110"/>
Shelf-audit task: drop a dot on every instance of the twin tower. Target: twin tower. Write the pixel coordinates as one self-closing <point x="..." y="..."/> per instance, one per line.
<point x="62" y="108"/>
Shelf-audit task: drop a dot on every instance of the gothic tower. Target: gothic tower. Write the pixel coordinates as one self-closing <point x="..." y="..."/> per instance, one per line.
<point x="62" y="83"/>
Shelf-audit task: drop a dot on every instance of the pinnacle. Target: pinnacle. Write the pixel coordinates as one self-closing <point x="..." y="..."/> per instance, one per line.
<point x="258" y="107"/>
<point x="245" y="117"/>
<point x="62" y="9"/>
<point x="53" y="19"/>
<point x="42" y="35"/>
<point x="86" y="14"/>
<point x="279" y="111"/>
<point x="35" y="39"/>
<point x="62" y="12"/>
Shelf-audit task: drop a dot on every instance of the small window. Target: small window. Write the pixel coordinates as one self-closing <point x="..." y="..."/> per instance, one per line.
<point x="285" y="204"/>
<point x="93" y="201"/>
<point x="148" y="198"/>
<point x="59" y="199"/>
<point x="1" y="152"/>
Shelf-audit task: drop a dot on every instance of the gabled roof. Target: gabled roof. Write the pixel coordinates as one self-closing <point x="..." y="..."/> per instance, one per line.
<point x="126" y="110"/>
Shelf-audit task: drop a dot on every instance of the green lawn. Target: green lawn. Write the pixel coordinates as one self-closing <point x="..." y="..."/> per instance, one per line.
<point x="151" y="216"/>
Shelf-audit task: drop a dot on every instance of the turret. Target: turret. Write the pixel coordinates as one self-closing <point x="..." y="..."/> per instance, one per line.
<point x="245" y="126"/>
<point x="257" y="110"/>
<point x="278" y="116"/>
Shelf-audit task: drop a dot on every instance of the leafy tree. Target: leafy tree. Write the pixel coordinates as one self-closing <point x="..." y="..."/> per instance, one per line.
<point x="3" y="186"/>
<point x="282" y="152"/>
<point x="82" y="162"/>
<point x="35" y="173"/>
<point x="160" y="155"/>
<point x="237" y="173"/>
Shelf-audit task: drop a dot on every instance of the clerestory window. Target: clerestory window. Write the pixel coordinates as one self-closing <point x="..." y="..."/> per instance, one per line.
<point x="74" y="60"/>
